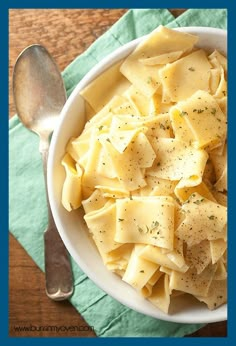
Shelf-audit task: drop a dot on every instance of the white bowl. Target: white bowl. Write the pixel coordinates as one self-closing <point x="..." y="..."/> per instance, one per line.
<point x="71" y="226"/>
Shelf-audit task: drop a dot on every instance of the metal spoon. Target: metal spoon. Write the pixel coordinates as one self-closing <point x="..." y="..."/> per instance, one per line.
<point x="39" y="96"/>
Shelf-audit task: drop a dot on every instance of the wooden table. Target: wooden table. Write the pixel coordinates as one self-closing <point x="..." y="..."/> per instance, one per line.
<point x="66" y="34"/>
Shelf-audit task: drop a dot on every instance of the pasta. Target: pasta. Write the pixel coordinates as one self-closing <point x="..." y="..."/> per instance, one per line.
<point x="150" y="169"/>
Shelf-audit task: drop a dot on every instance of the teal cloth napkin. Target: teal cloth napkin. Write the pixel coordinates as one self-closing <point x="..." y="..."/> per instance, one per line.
<point x="27" y="200"/>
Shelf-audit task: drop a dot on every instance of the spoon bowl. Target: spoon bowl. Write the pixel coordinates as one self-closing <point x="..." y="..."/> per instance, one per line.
<point x="38" y="89"/>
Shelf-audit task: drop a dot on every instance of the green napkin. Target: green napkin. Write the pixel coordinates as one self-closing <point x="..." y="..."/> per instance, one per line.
<point x="28" y="210"/>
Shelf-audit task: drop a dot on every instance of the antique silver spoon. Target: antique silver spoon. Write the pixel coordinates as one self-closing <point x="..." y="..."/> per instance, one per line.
<point x="39" y="96"/>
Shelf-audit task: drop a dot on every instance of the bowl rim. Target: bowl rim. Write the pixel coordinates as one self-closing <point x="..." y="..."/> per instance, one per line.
<point x="105" y="63"/>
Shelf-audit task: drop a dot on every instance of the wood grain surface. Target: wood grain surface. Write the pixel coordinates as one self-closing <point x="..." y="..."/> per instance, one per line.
<point x="66" y="34"/>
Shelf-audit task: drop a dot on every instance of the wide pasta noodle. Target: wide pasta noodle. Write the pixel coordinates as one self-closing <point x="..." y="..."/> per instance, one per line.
<point x="150" y="169"/>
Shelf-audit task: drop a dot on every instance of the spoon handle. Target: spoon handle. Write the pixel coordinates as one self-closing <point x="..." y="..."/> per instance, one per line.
<point x="58" y="273"/>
